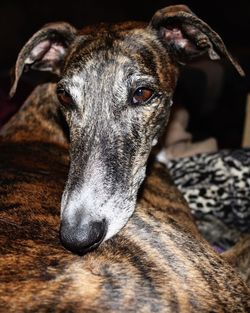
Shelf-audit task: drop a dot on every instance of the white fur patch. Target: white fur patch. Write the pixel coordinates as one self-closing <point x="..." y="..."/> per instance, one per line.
<point x="76" y="84"/>
<point x="162" y="157"/>
<point x="154" y="142"/>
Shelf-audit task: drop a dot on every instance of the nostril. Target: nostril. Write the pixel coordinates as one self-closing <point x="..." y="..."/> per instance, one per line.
<point x="81" y="238"/>
<point x="97" y="233"/>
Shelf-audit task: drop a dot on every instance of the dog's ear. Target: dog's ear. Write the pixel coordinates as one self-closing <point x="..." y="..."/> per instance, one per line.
<point x="45" y="50"/>
<point x="187" y="36"/>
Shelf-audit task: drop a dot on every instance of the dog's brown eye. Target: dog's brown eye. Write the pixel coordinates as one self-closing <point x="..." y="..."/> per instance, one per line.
<point x="64" y="97"/>
<point x="141" y="95"/>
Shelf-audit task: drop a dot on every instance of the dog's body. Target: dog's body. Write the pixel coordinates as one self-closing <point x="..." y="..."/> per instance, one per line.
<point x="116" y="84"/>
<point x="158" y="262"/>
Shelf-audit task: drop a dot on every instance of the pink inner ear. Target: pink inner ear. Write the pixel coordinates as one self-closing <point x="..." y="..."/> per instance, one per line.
<point x="189" y="40"/>
<point x="55" y="52"/>
<point x="47" y="52"/>
<point x="188" y="46"/>
<point x="175" y="36"/>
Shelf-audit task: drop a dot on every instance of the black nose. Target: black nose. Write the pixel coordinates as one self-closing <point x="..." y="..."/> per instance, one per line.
<point x="80" y="238"/>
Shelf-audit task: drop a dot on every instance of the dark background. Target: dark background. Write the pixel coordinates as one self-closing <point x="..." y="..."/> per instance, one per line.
<point x="20" y="19"/>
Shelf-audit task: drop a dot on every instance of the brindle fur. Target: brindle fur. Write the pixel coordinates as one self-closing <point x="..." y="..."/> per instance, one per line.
<point x="101" y="67"/>
<point x="157" y="263"/>
<point x="239" y="257"/>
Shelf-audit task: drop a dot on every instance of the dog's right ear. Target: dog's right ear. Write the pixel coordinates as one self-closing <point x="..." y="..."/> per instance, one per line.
<point x="45" y="50"/>
<point x="186" y="36"/>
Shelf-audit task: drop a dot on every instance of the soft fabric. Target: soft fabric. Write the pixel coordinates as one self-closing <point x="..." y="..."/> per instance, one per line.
<point x="217" y="188"/>
<point x="178" y="142"/>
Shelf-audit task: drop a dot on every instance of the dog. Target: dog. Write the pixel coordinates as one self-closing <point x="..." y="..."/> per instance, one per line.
<point x="116" y="84"/>
<point x="115" y="95"/>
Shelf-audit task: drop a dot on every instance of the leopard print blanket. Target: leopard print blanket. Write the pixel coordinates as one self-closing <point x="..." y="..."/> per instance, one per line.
<point x="217" y="188"/>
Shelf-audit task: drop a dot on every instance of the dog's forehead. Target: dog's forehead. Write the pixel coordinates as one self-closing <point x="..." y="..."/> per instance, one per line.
<point x="132" y="42"/>
<point x="111" y="27"/>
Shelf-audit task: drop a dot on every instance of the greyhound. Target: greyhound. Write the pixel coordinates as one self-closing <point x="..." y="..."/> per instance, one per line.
<point x="115" y="89"/>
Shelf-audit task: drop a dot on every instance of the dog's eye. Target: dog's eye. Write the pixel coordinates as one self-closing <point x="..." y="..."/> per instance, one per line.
<point x="142" y="95"/>
<point x="64" y="97"/>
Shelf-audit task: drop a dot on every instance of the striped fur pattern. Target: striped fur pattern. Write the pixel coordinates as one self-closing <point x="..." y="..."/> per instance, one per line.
<point x="100" y="70"/>
<point x="157" y="263"/>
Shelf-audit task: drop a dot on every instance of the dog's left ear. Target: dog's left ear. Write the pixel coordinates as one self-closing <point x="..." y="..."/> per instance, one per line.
<point x="45" y="50"/>
<point x="186" y="36"/>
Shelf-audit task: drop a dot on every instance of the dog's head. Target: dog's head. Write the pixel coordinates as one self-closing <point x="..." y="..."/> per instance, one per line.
<point x="115" y="90"/>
